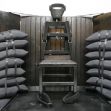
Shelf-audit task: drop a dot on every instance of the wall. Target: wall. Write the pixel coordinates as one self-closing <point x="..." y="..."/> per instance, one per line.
<point x="81" y="28"/>
<point x="9" y="21"/>
<point x="102" y="22"/>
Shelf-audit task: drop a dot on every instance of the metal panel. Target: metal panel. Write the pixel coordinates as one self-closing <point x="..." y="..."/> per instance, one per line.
<point x="81" y="28"/>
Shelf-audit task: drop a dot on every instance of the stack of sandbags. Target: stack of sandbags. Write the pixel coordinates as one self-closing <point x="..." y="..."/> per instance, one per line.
<point x="99" y="64"/>
<point x="12" y="44"/>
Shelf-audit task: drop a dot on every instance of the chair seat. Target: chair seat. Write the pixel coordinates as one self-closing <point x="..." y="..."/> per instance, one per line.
<point x="57" y="63"/>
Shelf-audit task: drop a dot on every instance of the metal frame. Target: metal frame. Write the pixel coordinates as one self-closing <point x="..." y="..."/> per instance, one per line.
<point x="53" y="63"/>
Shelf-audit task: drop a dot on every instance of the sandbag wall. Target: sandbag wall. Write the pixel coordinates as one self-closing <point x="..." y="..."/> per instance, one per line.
<point x="99" y="64"/>
<point x="12" y="44"/>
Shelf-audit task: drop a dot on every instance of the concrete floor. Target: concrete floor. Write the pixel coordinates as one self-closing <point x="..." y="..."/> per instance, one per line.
<point x="87" y="102"/>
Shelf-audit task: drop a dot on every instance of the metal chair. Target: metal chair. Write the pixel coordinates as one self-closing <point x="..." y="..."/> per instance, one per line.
<point x="56" y="52"/>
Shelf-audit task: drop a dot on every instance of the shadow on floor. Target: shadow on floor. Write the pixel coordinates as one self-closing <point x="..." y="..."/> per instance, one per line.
<point x="87" y="102"/>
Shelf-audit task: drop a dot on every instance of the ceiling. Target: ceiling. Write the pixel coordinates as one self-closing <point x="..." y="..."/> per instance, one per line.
<point x="41" y="7"/>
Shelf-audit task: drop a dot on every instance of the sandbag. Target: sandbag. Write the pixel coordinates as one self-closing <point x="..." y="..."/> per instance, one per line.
<point x="10" y="62"/>
<point x="18" y="44"/>
<point x="105" y="92"/>
<point x="11" y="81"/>
<point x="11" y="72"/>
<point x="97" y="82"/>
<point x="3" y="103"/>
<point x="95" y="64"/>
<point x="95" y="55"/>
<point x="11" y="91"/>
<point x="95" y="46"/>
<point x="12" y="34"/>
<point x="94" y="73"/>
<point x="99" y="36"/>
<point x="13" y="53"/>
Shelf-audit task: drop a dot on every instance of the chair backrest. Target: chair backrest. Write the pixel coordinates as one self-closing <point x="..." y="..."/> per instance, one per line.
<point x="56" y="40"/>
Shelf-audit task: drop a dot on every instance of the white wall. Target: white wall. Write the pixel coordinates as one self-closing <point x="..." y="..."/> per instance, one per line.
<point x="41" y="7"/>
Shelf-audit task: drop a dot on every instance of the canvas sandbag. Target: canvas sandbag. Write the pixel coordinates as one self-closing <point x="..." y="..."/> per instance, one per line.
<point x="95" y="46"/>
<point x="13" y="53"/>
<point x="95" y="64"/>
<point x="105" y="92"/>
<point x="12" y="91"/>
<point x="10" y="62"/>
<point x="3" y="103"/>
<point x="95" y="55"/>
<point x="104" y="34"/>
<point x="11" y="72"/>
<point x="11" y="81"/>
<point x="12" y="34"/>
<point x="94" y="73"/>
<point x="97" y="82"/>
<point x="18" y="44"/>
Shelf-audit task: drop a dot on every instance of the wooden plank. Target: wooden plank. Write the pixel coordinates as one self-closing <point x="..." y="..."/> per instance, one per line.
<point x="33" y="46"/>
<point x="22" y="25"/>
<point x="87" y="27"/>
<point x="78" y="27"/>
<point x="57" y="63"/>
<point x="42" y="26"/>
<point x="37" y="47"/>
<point x="74" y="36"/>
<point x="28" y="58"/>
<point x="52" y="44"/>
<point x="58" y="44"/>
<point x="90" y="26"/>
<point x="88" y="31"/>
<point x="82" y="51"/>
<point x="23" y="28"/>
